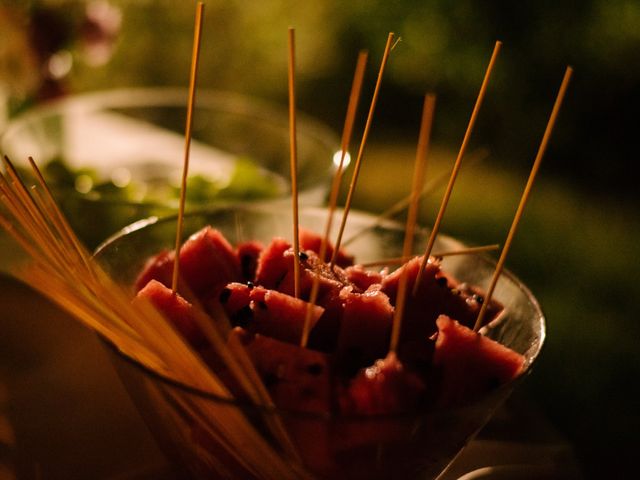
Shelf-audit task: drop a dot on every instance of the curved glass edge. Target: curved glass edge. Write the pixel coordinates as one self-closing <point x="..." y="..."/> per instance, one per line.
<point x="363" y="218"/>
<point x="222" y="101"/>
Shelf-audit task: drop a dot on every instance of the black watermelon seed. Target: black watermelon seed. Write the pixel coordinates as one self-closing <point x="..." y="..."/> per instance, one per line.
<point x="315" y="369"/>
<point x="242" y="317"/>
<point x="270" y="379"/>
<point x="225" y="294"/>
<point x="246" y="262"/>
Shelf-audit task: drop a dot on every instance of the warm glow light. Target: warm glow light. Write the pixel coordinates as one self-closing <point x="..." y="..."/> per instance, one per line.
<point x="338" y="155"/>
<point x="60" y="64"/>
<point x="121" y="177"/>
<point x="84" y="183"/>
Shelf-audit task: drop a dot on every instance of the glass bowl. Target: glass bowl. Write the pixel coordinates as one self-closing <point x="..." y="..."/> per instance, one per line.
<point x="113" y="157"/>
<point x="413" y="445"/>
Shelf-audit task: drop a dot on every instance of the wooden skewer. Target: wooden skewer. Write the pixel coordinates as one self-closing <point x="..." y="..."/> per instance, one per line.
<point x="57" y="214"/>
<point x="525" y="196"/>
<point x="456" y="166"/>
<point x="22" y="203"/>
<point x="475" y="156"/>
<point x="102" y="305"/>
<point x="356" y="169"/>
<point x="187" y="140"/>
<point x="294" y="162"/>
<point x="63" y="271"/>
<point x="448" y="253"/>
<point x="352" y="108"/>
<point x="418" y="181"/>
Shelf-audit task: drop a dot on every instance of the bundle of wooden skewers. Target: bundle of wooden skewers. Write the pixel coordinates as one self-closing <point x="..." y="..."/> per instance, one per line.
<point x="64" y="271"/>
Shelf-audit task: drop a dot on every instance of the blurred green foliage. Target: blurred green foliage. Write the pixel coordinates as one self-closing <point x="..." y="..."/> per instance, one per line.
<point x="445" y="47"/>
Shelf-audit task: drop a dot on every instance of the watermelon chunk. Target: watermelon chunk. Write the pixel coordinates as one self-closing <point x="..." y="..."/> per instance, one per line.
<point x="470" y="364"/>
<point x="365" y="329"/>
<point x="272" y="264"/>
<point x="235" y="298"/>
<point x="248" y="254"/>
<point x="439" y="293"/>
<point x="386" y="387"/>
<point x="276" y="270"/>
<point x="312" y="241"/>
<point x="324" y="336"/>
<point x="363" y="278"/>
<point x="177" y="310"/>
<point x="267" y="312"/>
<point x="158" y="267"/>
<point x="208" y="262"/>
<point x="281" y="316"/>
<point x="298" y="378"/>
<point x="310" y="268"/>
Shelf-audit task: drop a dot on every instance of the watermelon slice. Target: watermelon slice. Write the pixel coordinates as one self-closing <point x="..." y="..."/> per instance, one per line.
<point x="208" y="262"/>
<point x="158" y="267"/>
<point x="235" y="298"/>
<point x="312" y="241"/>
<point x="384" y="388"/>
<point x="272" y="265"/>
<point x="363" y="278"/>
<point x="439" y="293"/>
<point x="324" y="336"/>
<point x="267" y="312"/>
<point x="470" y="364"/>
<point x="298" y="378"/>
<point x="365" y="329"/>
<point x="248" y="254"/>
<point x="275" y="270"/>
<point x="281" y="316"/>
<point x="177" y="310"/>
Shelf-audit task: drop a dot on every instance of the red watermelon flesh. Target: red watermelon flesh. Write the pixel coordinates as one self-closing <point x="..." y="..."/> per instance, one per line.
<point x="363" y="278"/>
<point x="158" y="267"/>
<point x="439" y="293"/>
<point x="310" y="268"/>
<point x="208" y="262"/>
<point x="297" y="378"/>
<point x="312" y="241"/>
<point x="470" y="364"/>
<point x="267" y="312"/>
<point x="248" y="254"/>
<point x="386" y="387"/>
<point x="331" y="283"/>
<point x="272" y="264"/>
<point x="177" y="310"/>
<point x="324" y="336"/>
<point x="276" y="270"/>
<point x="365" y="329"/>
<point x="235" y="299"/>
<point x="281" y="316"/>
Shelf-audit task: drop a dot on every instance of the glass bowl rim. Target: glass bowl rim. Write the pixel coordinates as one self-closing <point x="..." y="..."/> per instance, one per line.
<point x="431" y="410"/>
<point x="224" y="101"/>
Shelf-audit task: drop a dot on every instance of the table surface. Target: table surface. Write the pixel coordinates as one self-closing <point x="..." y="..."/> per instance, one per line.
<point x="64" y="413"/>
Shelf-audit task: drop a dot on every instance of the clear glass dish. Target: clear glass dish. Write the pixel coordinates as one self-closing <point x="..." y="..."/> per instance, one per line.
<point x="116" y="156"/>
<point x="413" y="445"/>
